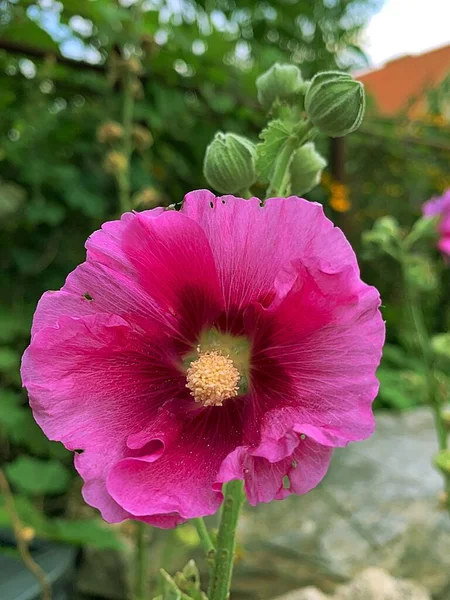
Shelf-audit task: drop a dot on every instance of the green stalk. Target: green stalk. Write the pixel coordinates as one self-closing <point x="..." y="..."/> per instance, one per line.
<point x="428" y="360"/>
<point x="280" y="180"/>
<point x="123" y="179"/>
<point x="141" y="563"/>
<point x="220" y="582"/>
<point x="204" y="536"/>
<point x="279" y="183"/>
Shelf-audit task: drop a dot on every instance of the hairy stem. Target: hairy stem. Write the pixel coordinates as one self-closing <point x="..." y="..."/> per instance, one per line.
<point x="141" y="562"/>
<point x="279" y="183"/>
<point x="22" y="546"/>
<point x="428" y="361"/>
<point x="204" y="536"/>
<point x="123" y="179"/>
<point x="220" y="582"/>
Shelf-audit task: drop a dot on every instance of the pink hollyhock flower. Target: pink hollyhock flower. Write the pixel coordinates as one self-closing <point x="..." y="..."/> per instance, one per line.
<point x="224" y="341"/>
<point x="440" y="207"/>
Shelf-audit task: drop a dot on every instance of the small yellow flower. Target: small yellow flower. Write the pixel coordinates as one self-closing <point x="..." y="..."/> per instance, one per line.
<point x="142" y="138"/>
<point x="109" y="132"/>
<point x="27" y="534"/>
<point x="115" y="163"/>
<point x="339" y="200"/>
<point x="147" y="198"/>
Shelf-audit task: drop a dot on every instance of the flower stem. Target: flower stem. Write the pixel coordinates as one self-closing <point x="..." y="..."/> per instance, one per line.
<point x="22" y="546"/>
<point x="123" y="179"/>
<point x="141" y="563"/>
<point x="428" y="361"/>
<point x="219" y="585"/>
<point x="280" y="180"/>
<point x="204" y="536"/>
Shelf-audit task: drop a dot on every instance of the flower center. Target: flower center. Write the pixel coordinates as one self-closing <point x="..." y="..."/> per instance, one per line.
<point x="212" y="378"/>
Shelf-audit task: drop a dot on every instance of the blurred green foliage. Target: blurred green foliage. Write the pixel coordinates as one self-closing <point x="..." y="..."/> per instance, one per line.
<point x="60" y="82"/>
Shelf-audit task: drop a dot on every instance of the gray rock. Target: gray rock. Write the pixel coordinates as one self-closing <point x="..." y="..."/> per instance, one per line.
<point x="377" y="506"/>
<point x="371" y="584"/>
<point x="104" y="574"/>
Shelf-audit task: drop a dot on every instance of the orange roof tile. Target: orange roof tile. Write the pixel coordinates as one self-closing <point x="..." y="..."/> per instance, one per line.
<point x="403" y="82"/>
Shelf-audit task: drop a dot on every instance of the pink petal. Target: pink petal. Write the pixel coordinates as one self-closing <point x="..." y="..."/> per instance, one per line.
<point x="437" y="206"/>
<point x="317" y="353"/>
<point x="153" y="268"/>
<point x="181" y="479"/>
<point x="264" y="480"/>
<point x="93" y="382"/>
<point x="253" y="245"/>
<point x="444" y="245"/>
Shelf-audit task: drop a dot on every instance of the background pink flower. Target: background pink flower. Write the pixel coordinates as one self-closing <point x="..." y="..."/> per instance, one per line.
<point x="227" y="340"/>
<point x="440" y="207"/>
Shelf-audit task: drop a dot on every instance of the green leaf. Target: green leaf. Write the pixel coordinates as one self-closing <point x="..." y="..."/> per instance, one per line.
<point x="9" y="359"/>
<point x="11" y="412"/>
<point x="17" y="423"/>
<point x="170" y="589"/>
<point x="28" y="514"/>
<point x="22" y="28"/>
<point x="184" y="586"/>
<point x="274" y="137"/>
<point x="401" y="389"/>
<point x="43" y="211"/>
<point x="37" y="477"/>
<point x="31" y="437"/>
<point x="13" y="324"/>
<point x="396" y="356"/>
<point x="188" y="581"/>
<point x="86" y="532"/>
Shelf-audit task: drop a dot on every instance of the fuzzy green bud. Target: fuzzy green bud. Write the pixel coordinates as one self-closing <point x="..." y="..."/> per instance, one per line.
<point x="229" y="164"/>
<point x="280" y="82"/>
<point x="306" y="169"/>
<point x="335" y="103"/>
<point x="384" y="237"/>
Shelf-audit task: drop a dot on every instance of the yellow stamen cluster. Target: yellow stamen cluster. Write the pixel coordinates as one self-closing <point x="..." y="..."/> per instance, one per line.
<point x="212" y="378"/>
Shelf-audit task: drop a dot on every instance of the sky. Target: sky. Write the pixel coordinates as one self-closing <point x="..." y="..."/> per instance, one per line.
<point x="407" y="27"/>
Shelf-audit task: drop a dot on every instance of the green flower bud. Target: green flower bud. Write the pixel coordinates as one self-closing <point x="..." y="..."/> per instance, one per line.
<point x="280" y="82"/>
<point x="384" y="237"/>
<point x="229" y="164"/>
<point x="306" y="169"/>
<point x="335" y="103"/>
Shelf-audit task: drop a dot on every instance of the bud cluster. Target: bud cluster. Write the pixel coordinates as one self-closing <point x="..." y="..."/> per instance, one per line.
<point x="332" y="103"/>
